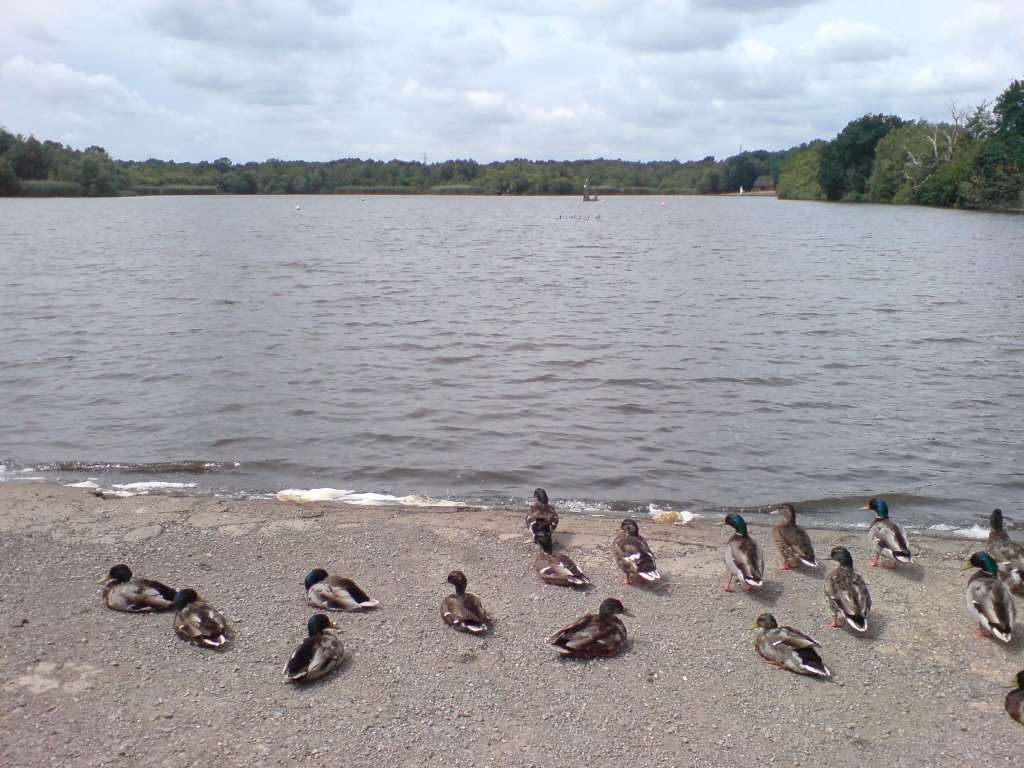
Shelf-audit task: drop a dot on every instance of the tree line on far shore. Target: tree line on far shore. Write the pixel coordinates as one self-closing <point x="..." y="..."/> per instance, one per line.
<point x="975" y="160"/>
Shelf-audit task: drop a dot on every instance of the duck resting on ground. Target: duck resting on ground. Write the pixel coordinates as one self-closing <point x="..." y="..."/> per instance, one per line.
<point x="1008" y="554"/>
<point x="887" y="537"/>
<point x="633" y="555"/>
<point x="558" y="569"/>
<point x="788" y="648"/>
<point x="988" y="599"/>
<point x="594" y="635"/>
<point x="1014" y="702"/>
<point x="198" y="622"/>
<point x="463" y="610"/>
<point x="847" y="592"/>
<point x="541" y="514"/>
<point x="318" y="654"/>
<point x="123" y="592"/>
<point x="335" y="593"/>
<point x="743" y="557"/>
<point x="793" y="542"/>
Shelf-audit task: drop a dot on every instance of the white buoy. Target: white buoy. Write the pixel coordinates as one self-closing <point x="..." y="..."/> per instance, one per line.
<point x="298" y="207"/>
<point x="664" y="204"/>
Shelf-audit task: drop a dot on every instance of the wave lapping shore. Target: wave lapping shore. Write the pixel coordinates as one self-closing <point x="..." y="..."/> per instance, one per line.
<point x="84" y="685"/>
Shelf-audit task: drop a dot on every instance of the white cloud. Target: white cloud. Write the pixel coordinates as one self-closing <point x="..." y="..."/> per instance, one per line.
<point x="489" y="79"/>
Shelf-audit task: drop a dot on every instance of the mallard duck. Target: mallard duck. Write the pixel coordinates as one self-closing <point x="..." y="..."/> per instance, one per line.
<point x="633" y="554"/>
<point x="558" y="569"/>
<point x="988" y="599"/>
<point x="198" y="622"/>
<point x="886" y="536"/>
<point x="793" y="542"/>
<point x="335" y="593"/>
<point x="123" y="592"/>
<point x="1008" y="554"/>
<point x="788" y="648"/>
<point x="743" y="557"/>
<point x="318" y="654"/>
<point x="594" y="634"/>
<point x="541" y="513"/>
<point x="847" y="593"/>
<point x="1015" y="700"/>
<point x="463" y="610"/>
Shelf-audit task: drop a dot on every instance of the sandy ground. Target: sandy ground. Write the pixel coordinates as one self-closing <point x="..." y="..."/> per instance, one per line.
<point x="86" y="686"/>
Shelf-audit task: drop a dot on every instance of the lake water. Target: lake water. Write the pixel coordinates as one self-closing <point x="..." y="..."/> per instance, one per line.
<point x="639" y="353"/>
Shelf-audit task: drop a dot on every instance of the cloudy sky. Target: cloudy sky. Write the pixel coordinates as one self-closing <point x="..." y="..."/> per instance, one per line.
<point x="191" y="80"/>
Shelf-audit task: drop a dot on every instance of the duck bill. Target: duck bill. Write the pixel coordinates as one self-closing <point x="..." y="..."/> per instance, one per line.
<point x="720" y="522"/>
<point x="627" y="612"/>
<point x="966" y="567"/>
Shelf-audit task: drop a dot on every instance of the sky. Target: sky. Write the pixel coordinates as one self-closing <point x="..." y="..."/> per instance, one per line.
<point x="192" y="80"/>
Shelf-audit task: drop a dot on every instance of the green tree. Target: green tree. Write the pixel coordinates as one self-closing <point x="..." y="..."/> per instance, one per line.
<point x="846" y="160"/>
<point x="798" y="179"/>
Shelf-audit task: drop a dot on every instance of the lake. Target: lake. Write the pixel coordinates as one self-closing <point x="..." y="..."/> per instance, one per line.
<point x="697" y="353"/>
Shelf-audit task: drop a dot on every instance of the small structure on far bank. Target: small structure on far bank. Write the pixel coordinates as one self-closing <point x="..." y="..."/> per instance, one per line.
<point x="764" y="183"/>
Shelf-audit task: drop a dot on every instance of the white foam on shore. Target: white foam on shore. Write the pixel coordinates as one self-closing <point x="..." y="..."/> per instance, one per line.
<point x="301" y="496"/>
<point x="84" y="484"/>
<point x="974" y="532"/>
<point x="124" y="490"/>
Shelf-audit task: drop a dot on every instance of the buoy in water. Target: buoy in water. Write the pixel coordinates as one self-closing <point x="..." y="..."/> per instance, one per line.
<point x="298" y="207"/>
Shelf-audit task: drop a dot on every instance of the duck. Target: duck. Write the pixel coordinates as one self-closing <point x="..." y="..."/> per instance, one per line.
<point x="463" y="610"/>
<point x="198" y="622"/>
<point x="793" y="542"/>
<point x="541" y="513"/>
<point x="318" y="654"/>
<point x="633" y="555"/>
<point x="335" y="593"/>
<point x="1014" y="702"/>
<point x="1008" y="554"/>
<point x="743" y="557"/>
<point x="988" y="599"/>
<point x="887" y="537"/>
<point x="788" y="648"/>
<point x="123" y="592"/>
<point x="558" y="569"/>
<point x="594" y="635"/>
<point x="847" y="592"/>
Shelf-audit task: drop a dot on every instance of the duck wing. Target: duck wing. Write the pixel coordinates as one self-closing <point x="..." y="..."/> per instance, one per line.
<point x="992" y="604"/>
<point x="202" y="624"/>
<point x="848" y="595"/>
<point x="339" y="594"/>
<point x="465" y="613"/>
<point x="315" y="657"/>
<point x="794" y="544"/>
<point x="890" y="539"/>
<point x="744" y="558"/>
<point x="559" y="570"/>
<point x="591" y="635"/>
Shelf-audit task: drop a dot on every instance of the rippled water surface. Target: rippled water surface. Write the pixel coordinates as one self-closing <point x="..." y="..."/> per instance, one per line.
<point x="705" y="353"/>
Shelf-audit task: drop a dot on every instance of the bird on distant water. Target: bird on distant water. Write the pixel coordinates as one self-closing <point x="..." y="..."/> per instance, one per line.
<point x="594" y="635"/>
<point x="887" y="537"/>
<point x="847" y="592"/>
<point x="541" y="514"/>
<point x="318" y="654"/>
<point x="793" y="542"/>
<point x="988" y="599"/>
<point x="743" y="557"/>
<point x="463" y="610"/>
<point x="335" y="593"/>
<point x="123" y="592"/>
<point x="788" y="648"/>
<point x="198" y="622"/>
<point x="558" y="569"/>
<point x="1008" y="554"/>
<point x="1014" y="702"/>
<point x="633" y="555"/>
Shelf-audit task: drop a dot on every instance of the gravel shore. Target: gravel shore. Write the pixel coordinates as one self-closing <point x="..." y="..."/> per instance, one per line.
<point x="87" y="686"/>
